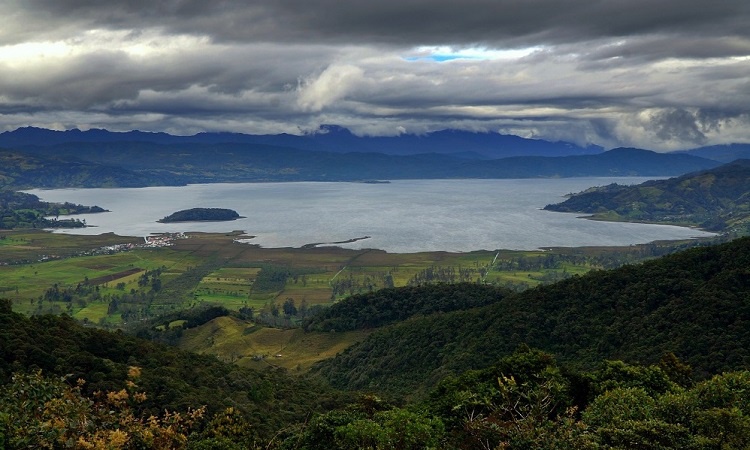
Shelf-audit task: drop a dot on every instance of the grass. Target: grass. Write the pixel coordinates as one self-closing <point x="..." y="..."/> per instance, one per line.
<point x="249" y="345"/>
<point x="319" y="272"/>
<point x="31" y="245"/>
<point x="26" y="282"/>
<point x="10" y="241"/>
<point x="93" y="312"/>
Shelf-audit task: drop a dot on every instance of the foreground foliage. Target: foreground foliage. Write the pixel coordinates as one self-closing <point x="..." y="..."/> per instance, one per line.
<point x="525" y="401"/>
<point x="172" y="380"/>
<point x="528" y="401"/>
<point x="50" y="413"/>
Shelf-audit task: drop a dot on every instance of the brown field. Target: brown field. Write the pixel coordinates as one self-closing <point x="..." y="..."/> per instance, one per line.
<point x="114" y="276"/>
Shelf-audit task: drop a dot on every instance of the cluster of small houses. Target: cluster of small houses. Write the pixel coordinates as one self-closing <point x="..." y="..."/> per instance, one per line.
<point x="161" y="240"/>
<point x="156" y="241"/>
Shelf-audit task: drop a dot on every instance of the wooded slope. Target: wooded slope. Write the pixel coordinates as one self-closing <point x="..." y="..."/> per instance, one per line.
<point x="716" y="199"/>
<point x="695" y="304"/>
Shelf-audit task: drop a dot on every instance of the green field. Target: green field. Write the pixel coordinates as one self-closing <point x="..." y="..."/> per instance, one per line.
<point x="214" y="269"/>
<point x="57" y="273"/>
<point x="249" y="345"/>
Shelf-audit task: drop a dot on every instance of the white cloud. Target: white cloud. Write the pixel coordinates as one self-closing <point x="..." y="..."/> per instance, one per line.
<point x="331" y="85"/>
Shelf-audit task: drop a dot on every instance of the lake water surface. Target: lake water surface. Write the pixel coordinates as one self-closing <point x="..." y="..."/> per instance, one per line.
<point x="402" y="216"/>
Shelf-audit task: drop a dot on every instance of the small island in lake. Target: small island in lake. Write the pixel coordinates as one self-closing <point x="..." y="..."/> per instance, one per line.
<point x="201" y="215"/>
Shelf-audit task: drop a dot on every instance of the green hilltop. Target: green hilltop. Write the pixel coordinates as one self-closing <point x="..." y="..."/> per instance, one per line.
<point x="21" y="170"/>
<point x="716" y="199"/>
<point x="22" y="210"/>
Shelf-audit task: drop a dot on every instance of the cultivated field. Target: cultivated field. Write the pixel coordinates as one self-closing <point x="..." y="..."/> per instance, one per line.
<point x="118" y="282"/>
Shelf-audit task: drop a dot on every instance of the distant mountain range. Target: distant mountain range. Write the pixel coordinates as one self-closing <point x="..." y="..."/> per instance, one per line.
<point x="146" y="164"/>
<point x="716" y="199"/>
<point x="722" y="153"/>
<point x="96" y="158"/>
<point x="330" y="138"/>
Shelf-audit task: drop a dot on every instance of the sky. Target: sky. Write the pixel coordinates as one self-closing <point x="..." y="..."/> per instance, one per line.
<point x="655" y="74"/>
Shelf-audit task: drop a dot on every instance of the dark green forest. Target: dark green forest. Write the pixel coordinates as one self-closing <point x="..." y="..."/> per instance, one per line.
<point x="199" y="214"/>
<point x="695" y="303"/>
<point x="387" y="306"/>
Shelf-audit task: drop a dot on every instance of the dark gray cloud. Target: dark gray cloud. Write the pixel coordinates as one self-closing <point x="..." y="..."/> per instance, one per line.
<point x="658" y="74"/>
<point x="414" y="22"/>
<point x="678" y="124"/>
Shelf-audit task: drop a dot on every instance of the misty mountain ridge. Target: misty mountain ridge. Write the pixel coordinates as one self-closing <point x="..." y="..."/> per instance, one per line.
<point x="334" y="138"/>
<point x="330" y="138"/>
<point x="722" y="153"/>
<point x="179" y="164"/>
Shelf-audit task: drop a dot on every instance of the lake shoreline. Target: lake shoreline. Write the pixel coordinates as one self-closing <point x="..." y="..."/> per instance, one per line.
<point x="398" y="217"/>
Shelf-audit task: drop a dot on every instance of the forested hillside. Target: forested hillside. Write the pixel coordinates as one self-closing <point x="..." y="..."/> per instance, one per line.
<point x="392" y="305"/>
<point x="716" y="199"/>
<point x="21" y="210"/>
<point x="145" y="163"/>
<point x="695" y="304"/>
<point x="171" y="379"/>
<point x="25" y="171"/>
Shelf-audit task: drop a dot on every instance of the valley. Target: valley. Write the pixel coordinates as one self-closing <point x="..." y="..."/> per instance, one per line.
<point x="383" y="225"/>
<point x="331" y="343"/>
<point x="133" y="286"/>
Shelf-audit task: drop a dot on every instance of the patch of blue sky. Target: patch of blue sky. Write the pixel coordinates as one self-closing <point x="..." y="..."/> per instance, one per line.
<point x="438" y="58"/>
<point x="445" y="54"/>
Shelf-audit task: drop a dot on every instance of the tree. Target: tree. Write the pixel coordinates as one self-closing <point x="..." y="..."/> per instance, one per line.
<point x="44" y="412"/>
<point x="289" y="308"/>
<point x="390" y="429"/>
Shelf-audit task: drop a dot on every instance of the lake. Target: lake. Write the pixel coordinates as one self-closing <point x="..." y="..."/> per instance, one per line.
<point x="402" y="216"/>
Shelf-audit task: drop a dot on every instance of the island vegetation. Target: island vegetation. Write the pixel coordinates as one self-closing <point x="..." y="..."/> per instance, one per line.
<point x="201" y="215"/>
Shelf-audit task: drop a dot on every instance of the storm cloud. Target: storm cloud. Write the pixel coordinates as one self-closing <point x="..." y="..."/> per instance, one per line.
<point x="662" y="75"/>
